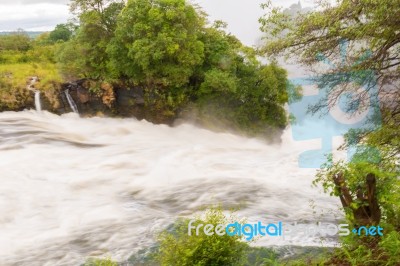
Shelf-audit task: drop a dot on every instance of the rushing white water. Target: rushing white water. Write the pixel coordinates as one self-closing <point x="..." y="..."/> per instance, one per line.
<point x="71" y="102"/>
<point x="38" y="104"/>
<point x="72" y="188"/>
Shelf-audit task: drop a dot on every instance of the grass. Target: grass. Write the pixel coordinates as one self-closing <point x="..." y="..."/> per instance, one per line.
<point x="14" y="78"/>
<point x="17" y="74"/>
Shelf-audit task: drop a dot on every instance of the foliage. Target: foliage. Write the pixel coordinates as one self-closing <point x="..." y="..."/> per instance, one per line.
<point x="388" y="183"/>
<point x="390" y="248"/>
<point x="370" y="27"/>
<point x="368" y="251"/>
<point x="161" y="48"/>
<point x="387" y="137"/>
<point x="62" y="32"/>
<point x="236" y="89"/>
<point x="100" y="262"/>
<point x="165" y="47"/>
<point x="251" y="100"/>
<point x="16" y="41"/>
<point x="379" y="161"/>
<point x="72" y="63"/>
<point x="178" y="248"/>
<point x="85" y="54"/>
<point x="20" y="59"/>
<point x="358" y="38"/>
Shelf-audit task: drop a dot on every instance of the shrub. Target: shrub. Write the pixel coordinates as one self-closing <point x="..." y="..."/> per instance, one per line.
<point x="178" y="248"/>
<point x="100" y="262"/>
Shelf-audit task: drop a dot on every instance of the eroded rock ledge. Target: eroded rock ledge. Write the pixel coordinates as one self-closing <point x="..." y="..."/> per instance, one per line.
<point x="92" y="99"/>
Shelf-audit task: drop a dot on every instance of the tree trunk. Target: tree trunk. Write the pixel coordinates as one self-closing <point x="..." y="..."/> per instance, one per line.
<point x="366" y="211"/>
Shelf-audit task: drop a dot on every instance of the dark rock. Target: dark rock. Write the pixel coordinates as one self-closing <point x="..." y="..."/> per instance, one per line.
<point x="83" y="95"/>
<point x="130" y="96"/>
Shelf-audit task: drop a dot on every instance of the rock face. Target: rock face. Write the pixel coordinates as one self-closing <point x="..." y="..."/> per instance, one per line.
<point x="91" y="99"/>
<point x="97" y="99"/>
<point x="129" y="97"/>
<point x="83" y="95"/>
<point x="109" y="100"/>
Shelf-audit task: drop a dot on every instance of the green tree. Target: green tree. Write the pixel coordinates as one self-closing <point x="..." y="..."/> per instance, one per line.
<point x="235" y="88"/>
<point x="100" y="12"/>
<point x="62" y="32"/>
<point x="165" y="47"/>
<point x="156" y="46"/>
<point x="371" y="30"/>
<point x="160" y="47"/>
<point x="15" y="41"/>
<point x="85" y="54"/>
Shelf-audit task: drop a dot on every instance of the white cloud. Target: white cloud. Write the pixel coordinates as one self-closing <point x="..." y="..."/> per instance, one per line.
<point x="32" y="15"/>
<point x="241" y="15"/>
<point x="30" y="2"/>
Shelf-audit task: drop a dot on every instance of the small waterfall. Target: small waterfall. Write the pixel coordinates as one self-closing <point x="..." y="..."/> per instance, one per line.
<point x="71" y="102"/>
<point x="38" y="104"/>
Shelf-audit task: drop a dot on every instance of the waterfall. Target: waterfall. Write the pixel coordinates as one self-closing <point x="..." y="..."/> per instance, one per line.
<point x="38" y="104"/>
<point x="71" y="102"/>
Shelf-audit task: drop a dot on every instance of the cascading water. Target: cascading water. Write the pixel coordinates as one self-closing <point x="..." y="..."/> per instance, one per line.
<point x="71" y="188"/>
<point x="71" y="102"/>
<point x="31" y="87"/>
<point x="38" y="104"/>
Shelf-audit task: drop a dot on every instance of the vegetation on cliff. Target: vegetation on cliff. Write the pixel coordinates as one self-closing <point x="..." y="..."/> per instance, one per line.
<point x="186" y="66"/>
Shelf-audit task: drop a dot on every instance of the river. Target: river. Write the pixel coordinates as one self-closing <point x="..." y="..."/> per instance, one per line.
<point x="75" y="187"/>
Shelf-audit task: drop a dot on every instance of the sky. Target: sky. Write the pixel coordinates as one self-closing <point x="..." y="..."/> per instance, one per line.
<point x="43" y="15"/>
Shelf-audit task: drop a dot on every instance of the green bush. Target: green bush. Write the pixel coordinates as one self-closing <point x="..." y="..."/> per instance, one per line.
<point x="100" y="262"/>
<point x="16" y="41"/>
<point x="368" y="251"/>
<point x="178" y="248"/>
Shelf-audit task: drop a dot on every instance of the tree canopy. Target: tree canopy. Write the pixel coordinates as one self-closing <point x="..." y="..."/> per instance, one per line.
<point x="372" y="24"/>
<point x="370" y="29"/>
<point x="62" y="32"/>
<point x="360" y="38"/>
<point x="15" y="41"/>
<point x="161" y="46"/>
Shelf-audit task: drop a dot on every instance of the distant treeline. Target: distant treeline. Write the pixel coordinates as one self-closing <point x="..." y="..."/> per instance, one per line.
<point x="31" y="34"/>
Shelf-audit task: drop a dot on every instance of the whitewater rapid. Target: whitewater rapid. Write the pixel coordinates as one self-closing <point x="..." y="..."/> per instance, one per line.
<point x="73" y="188"/>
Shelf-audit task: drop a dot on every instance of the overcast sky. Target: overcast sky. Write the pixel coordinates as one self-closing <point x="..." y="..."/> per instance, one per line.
<point x="42" y="15"/>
